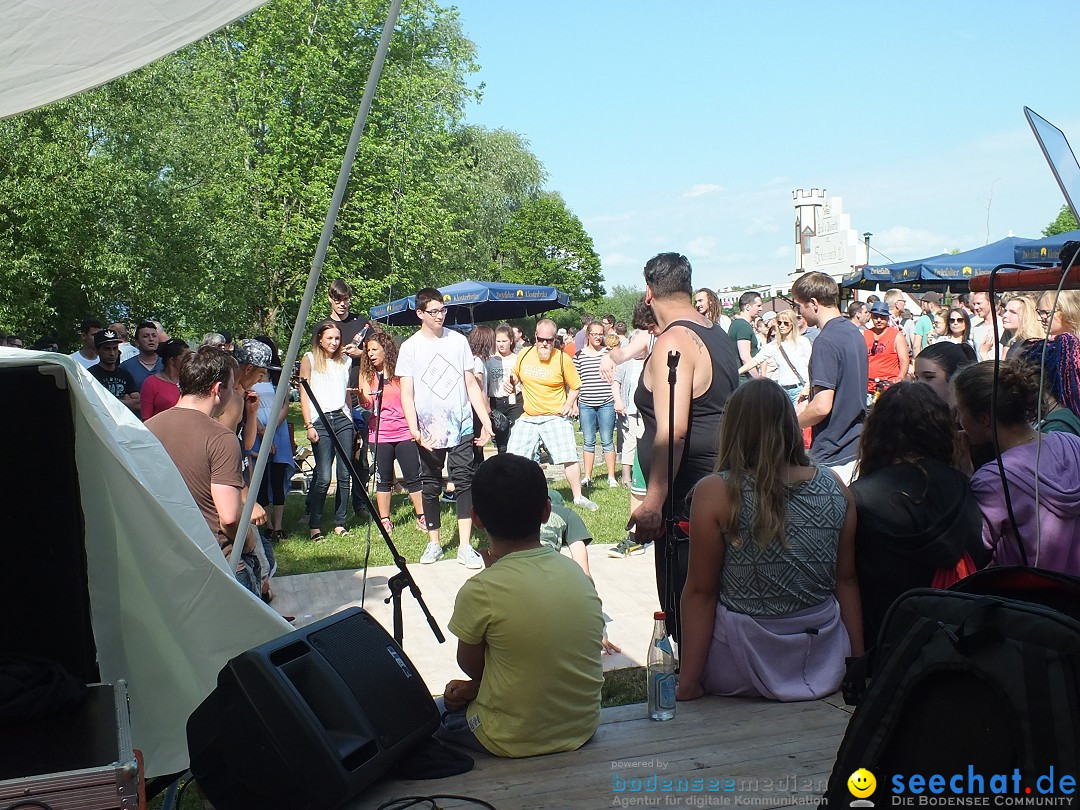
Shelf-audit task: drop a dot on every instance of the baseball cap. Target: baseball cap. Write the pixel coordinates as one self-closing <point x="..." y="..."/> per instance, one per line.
<point x="254" y="353"/>
<point x="769" y="316"/>
<point x="933" y="297"/>
<point x="106" y="336"/>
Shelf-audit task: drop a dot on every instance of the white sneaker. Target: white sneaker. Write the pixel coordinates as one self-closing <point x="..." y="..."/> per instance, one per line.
<point x="433" y="553"/>
<point x="584" y="503"/>
<point x="612" y="483"/>
<point x="468" y="557"/>
<point x="585" y="483"/>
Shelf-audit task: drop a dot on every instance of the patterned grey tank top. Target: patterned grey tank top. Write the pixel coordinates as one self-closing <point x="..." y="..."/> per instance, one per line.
<point x="775" y="580"/>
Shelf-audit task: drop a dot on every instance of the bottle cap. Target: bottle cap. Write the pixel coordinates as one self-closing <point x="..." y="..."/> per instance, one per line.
<point x="659" y="616"/>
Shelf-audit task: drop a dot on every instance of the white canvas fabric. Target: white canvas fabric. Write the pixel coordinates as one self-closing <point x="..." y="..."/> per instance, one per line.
<point x="166" y="612"/>
<point x="52" y="49"/>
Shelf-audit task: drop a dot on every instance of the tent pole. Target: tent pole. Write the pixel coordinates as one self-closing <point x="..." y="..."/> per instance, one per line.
<point x="300" y="325"/>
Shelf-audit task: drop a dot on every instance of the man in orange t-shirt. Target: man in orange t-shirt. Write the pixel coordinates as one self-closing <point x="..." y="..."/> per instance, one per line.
<point x="886" y="349"/>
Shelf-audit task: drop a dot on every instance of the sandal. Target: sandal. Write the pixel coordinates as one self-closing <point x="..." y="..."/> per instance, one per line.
<point x="317" y="537"/>
<point x="387" y="524"/>
<point x="276" y="535"/>
<point x="340" y="531"/>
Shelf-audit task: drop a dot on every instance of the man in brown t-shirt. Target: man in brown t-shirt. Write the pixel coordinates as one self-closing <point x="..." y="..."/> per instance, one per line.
<point x="207" y="453"/>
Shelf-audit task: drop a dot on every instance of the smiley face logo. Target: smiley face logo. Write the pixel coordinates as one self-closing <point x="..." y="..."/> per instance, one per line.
<point x="862" y="783"/>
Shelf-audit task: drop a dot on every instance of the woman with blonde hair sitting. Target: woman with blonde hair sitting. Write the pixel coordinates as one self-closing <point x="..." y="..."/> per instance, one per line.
<point x="771" y="602"/>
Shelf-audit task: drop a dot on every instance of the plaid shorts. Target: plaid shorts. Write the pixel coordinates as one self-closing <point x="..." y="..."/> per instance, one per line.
<point x="555" y="431"/>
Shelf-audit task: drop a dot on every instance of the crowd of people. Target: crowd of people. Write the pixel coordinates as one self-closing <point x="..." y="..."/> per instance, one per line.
<point x="795" y="469"/>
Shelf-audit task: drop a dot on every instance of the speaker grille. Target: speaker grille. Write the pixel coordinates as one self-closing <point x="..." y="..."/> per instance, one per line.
<point x="387" y="687"/>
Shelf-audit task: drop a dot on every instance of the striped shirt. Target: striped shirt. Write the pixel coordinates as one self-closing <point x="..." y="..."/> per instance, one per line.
<point x="594" y="391"/>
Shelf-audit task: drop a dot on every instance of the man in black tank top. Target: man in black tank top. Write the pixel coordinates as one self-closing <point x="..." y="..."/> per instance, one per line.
<point x="707" y="373"/>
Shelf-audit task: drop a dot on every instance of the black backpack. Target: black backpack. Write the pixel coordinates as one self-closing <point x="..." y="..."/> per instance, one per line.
<point x="982" y="679"/>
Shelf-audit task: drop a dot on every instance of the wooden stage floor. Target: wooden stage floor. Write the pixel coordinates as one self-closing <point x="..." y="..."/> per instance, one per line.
<point x="716" y="752"/>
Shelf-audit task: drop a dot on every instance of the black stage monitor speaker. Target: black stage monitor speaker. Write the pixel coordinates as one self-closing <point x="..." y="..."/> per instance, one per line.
<point x="310" y="719"/>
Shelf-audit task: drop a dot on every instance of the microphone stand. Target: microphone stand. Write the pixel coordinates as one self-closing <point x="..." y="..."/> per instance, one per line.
<point x="670" y="550"/>
<point x="403" y="578"/>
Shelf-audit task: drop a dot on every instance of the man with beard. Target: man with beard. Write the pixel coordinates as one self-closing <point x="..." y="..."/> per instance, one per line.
<point x="550" y="385"/>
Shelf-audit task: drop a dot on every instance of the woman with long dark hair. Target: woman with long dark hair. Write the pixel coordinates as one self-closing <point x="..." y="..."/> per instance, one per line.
<point x="388" y="431"/>
<point x="917" y="515"/>
<point x="957" y="327"/>
<point x="771" y="602"/>
<point x="326" y="368"/>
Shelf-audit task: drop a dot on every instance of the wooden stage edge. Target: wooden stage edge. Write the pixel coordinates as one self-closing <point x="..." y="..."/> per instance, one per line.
<point x="716" y="752"/>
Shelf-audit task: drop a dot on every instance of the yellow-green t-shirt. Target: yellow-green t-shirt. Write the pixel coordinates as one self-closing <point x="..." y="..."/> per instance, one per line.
<point x="541" y="620"/>
<point x="544" y="384"/>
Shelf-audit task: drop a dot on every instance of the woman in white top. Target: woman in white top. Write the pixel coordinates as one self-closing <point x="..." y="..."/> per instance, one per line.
<point x="791" y="355"/>
<point x="326" y="368"/>
<point x="503" y="396"/>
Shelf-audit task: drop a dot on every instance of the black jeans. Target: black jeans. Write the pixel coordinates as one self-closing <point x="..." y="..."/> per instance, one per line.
<point x="462" y="465"/>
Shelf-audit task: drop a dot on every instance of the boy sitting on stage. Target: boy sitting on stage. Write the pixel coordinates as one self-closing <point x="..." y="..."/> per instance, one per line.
<point x="528" y="628"/>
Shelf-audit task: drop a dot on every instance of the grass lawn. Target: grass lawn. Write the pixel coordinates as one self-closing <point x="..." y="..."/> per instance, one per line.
<point x="363" y="544"/>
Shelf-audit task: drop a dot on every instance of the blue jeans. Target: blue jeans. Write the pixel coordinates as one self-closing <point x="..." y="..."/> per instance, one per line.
<point x="325" y="456"/>
<point x="592" y="416"/>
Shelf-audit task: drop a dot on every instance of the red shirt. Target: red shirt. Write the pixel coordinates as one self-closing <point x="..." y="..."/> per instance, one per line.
<point x="884" y="362"/>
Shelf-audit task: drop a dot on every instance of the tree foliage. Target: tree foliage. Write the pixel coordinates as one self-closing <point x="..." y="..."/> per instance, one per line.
<point x="545" y="243"/>
<point x="1065" y="222"/>
<point x="195" y="190"/>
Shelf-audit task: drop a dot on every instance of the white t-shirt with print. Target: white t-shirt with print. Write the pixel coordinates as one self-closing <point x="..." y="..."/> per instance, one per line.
<point x="437" y="367"/>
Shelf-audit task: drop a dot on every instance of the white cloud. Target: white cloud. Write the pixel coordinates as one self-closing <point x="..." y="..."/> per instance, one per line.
<point x="615" y="260"/>
<point x="901" y="242"/>
<point x="701" y="189"/>
<point x="765" y="224"/>
<point x="701" y="247"/>
<point x="776" y="181"/>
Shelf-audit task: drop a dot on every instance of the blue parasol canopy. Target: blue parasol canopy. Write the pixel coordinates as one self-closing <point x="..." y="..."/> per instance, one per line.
<point x="1044" y="251"/>
<point x="956" y="269"/>
<point x="476" y="301"/>
<point x="866" y="278"/>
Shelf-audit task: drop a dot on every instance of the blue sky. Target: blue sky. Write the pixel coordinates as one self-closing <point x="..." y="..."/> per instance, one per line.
<point x="686" y="125"/>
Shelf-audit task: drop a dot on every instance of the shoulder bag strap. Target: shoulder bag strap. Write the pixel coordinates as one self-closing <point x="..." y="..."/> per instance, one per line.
<point x="780" y="345"/>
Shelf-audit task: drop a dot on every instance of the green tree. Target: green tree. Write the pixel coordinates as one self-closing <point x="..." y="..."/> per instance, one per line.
<point x="491" y="174"/>
<point x="545" y="243"/>
<point x="620" y="303"/>
<point x="1065" y="222"/>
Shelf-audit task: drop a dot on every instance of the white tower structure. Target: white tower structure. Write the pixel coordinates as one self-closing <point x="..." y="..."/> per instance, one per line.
<point x="824" y="238"/>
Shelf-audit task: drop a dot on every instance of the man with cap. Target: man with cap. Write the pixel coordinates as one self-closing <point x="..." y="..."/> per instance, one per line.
<point x="147" y="362"/>
<point x="931" y="306"/>
<point x="886" y="350"/>
<point x="107" y="371"/>
<point x="253" y="359"/>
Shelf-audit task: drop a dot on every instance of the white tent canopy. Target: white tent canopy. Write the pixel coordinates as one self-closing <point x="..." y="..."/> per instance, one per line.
<point x="166" y="612"/>
<point x="52" y="49"/>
